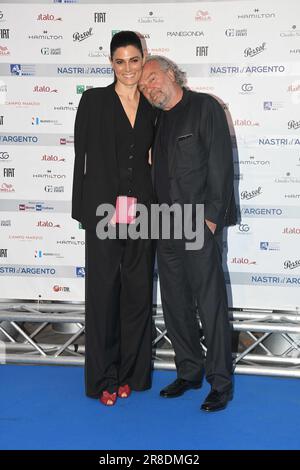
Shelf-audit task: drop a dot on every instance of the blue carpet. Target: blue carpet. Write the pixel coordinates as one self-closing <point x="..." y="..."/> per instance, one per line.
<point x="45" y="408"/>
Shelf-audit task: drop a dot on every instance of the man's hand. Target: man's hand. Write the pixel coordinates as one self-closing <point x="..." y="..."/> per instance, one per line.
<point x="212" y="227"/>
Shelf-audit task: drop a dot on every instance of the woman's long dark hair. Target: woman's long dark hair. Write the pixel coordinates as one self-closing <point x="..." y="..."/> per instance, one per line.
<point x="123" y="39"/>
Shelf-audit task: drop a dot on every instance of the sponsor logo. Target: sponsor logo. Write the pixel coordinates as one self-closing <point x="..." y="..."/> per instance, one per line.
<point x="287" y="179"/>
<point x="35" y="207"/>
<point x="51" y="51"/>
<point x="48" y="17"/>
<point x="253" y="161"/>
<point x="47" y="224"/>
<point x="272" y="105"/>
<point x="4" y="33"/>
<point x="294" y="124"/>
<point x="6" y="188"/>
<point x="20" y="70"/>
<point x="269" y="246"/>
<point x="246" y="88"/>
<point x="79" y="37"/>
<point x="4" y="51"/>
<point x="294" y="51"/>
<point x="71" y="241"/>
<point x="65" y="141"/>
<point x="100" y="17"/>
<point x="291" y="231"/>
<point x="25" y="238"/>
<point x="294" y="88"/>
<point x="202" y="15"/>
<point x="290" y="33"/>
<point x="4" y="156"/>
<point x="150" y="18"/>
<point x="69" y="107"/>
<point x="251" y="194"/>
<point x="291" y="264"/>
<point x="54" y="189"/>
<point x="80" y="271"/>
<point x="8" y="172"/>
<point x="36" y="121"/>
<point x="242" y="261"/>
<point x="3" y="252"/>
<point x="45" y="36"/>
<point x="231" y="32"/>
<point x="44" y="89"/>
<point x="100" y="52"/>
<point x="2" y="16"/>
<point x="49" y="175"/>
<point x="244" y="228"/>
<point x="201" y="51"/>
<point x="1" y="120"/>
<point x="81" y="88"/>
<point x="52" y="158"/>
<point x="184" y="34"/>
<point x="58" y="288"/>
<point x="292" y="196"/>
<point x="41" y="254"/>
<point x="5" y="223"/>
<point x="256" y="15"/>
<point x="246" y="122"/>
<point x="252" y="52"/>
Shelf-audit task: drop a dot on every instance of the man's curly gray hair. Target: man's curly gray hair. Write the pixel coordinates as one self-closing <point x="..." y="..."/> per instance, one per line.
<point x="167" y="64"/>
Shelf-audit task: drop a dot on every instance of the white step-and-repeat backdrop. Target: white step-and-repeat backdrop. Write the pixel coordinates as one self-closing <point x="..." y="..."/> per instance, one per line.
<point x="245" y="52"/>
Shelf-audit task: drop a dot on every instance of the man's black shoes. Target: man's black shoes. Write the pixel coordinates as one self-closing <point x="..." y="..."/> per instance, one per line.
<point x="216" y="401"/>
<point x="178" y="387"/>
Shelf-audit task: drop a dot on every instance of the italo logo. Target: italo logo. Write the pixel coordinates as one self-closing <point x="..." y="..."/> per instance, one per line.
<point x="52" y="158"/>
<point x="48" y="17"/>
<point x="246" y="122"/>
<point x="291" y="231"/>
<point x="242" y="261"/>
<point x="44" y="89"/>
<point x="47" y="224"/>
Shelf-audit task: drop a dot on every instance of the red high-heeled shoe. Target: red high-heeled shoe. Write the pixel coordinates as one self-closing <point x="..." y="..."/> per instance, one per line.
<point x="124" y="391"/>
<point x="108" y="399"/>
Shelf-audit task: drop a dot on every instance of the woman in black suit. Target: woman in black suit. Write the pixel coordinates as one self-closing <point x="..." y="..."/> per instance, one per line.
<point x="113" y="134"/>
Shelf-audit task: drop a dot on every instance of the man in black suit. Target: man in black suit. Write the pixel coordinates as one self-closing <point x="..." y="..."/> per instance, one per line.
<point x="192" y="164"/>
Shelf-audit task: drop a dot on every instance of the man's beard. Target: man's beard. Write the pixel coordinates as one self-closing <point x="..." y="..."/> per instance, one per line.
<point x="162" y="103"/>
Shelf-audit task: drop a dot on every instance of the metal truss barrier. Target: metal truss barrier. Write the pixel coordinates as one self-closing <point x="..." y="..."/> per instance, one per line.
<point x="267" y="342"/>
